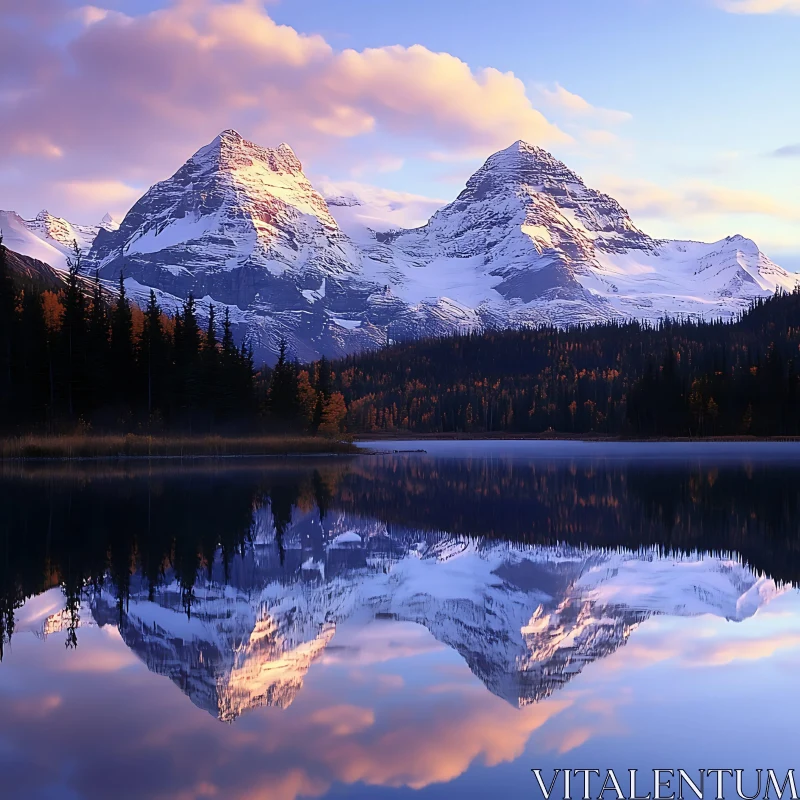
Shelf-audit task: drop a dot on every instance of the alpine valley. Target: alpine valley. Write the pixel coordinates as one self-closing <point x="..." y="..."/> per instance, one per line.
<point x="525" y="243"/>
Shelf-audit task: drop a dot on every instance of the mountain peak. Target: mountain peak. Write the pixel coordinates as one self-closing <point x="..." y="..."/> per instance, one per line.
<point x="521" y="146"/>
<point x="531" y="164"/>
<point x="231" y="135"/>
<point x="231" y="152"/>
<point x="109" y="222"/>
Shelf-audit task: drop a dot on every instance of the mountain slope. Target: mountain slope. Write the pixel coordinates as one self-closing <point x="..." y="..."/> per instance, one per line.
<point x="242" y="224"/>
<point x="61" y="234"/>
<point x="19" y="238"/>
<point x="48" y="238"/>
<point x="526" y="242"/>
<point x="27" y="270"/>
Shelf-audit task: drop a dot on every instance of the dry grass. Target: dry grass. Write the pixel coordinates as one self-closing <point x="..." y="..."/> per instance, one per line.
<point x="82" y="446"/>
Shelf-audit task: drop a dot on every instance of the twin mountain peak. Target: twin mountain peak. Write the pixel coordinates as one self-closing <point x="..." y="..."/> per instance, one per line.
<point x="525" y="243"/>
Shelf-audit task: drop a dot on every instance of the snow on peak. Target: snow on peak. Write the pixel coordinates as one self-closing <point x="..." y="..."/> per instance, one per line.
<point x="343" y="200"/>
<point x="18" y="236"/>
<point x="530" y="164"/>
<point x="231" y="152"/>
<point x="233" y="204"/>
<point x="526" y="242"/>
<point x="109" y="222"/>
<point x="230" y="135"/>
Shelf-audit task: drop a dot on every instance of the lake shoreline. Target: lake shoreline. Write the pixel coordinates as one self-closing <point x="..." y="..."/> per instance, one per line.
<point x="136" y="447"/>
<point x="559" y="437"/>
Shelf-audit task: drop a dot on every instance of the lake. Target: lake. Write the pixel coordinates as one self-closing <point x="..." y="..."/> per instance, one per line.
<point x="406" y="624"/>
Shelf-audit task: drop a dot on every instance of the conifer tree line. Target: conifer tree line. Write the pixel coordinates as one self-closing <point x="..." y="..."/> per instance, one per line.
<point x="87" y="357"/>
<point x="674" y="378"/>
<point x="303" y="396"/>
<point x="82" y="355"/>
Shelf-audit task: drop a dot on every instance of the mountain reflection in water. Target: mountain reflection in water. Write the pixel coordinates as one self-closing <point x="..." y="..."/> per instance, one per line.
<point x="233" y="581"/>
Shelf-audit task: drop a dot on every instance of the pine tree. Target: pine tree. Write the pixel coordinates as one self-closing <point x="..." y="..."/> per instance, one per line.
<point x="211" y="364"/>
<point x="122" y="351"/>
<point x="323" y="384"/>
<point x="333" y="414"/>
<point x="34" y="360"/>
<point x="307" y="398"/>
<point x="73" y="334"/>
<point x="283" y="400"/>
<point x="98" y="346"/>
<point x="8" y="326"/>
<point x="230" y="370"/>
<point x="153" y="355"/>
<point x="187" y="357"/>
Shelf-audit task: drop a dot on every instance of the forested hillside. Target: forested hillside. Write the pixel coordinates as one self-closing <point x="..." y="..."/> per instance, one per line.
<point x="78" y="356"/>
<point x="672" y="379"/>
<point x="75" y="356"/>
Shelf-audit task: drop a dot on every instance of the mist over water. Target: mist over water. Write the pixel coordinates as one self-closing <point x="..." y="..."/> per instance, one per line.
<point x="436" y="623"/>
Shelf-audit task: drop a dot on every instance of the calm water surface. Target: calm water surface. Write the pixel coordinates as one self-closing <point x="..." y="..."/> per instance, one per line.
<point x="426" y="625"/>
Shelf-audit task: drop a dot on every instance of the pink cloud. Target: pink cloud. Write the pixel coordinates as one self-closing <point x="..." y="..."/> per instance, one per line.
<point x="760" y="6"/>
<point x="573" y="105"/>
<point x="333" y="733"/>
<point x="694" y="198"/>
<point x="129" y="98"/>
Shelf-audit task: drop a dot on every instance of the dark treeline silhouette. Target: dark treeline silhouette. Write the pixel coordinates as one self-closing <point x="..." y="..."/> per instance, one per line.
<point x="80" y="356"/>
<point x="302" y="396"/>
<point x="84" y="356"/>
<point x="676" y="378"/>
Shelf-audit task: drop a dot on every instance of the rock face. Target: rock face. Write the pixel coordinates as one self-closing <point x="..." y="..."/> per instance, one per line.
<point x="526" y="242"/>
<point x="526" y="620"/>
<point x="62" y="234"/>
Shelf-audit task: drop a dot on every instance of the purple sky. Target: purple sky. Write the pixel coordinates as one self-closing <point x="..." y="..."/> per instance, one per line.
<point x="684" y="110"/>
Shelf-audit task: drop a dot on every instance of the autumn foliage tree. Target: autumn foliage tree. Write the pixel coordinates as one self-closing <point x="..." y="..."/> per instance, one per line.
<point x="334" y="412"/>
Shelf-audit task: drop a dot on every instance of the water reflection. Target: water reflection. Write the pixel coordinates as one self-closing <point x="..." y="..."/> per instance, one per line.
<point x="438" y="601"/>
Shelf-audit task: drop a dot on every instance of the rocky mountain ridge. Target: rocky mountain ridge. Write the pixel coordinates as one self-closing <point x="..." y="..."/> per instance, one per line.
<point x="526" y="242"/>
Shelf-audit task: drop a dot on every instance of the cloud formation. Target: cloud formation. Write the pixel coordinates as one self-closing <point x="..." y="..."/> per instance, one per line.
<point x="129" y="98"/>
<point x="789" y="151"/>
<point x="760" y="6"/>
<point x="573" y="105"/>
<point x="692" y="199"/>
<point x="378" y="209"/>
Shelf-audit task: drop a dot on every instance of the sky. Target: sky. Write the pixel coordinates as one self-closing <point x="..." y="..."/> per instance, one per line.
<point x="686" y="111"/>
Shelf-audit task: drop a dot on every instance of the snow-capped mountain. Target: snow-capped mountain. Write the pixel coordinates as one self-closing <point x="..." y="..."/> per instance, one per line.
<point x="62" y="234"/>
<point x="526" y="619"/>
<point x="242" y="225"/>
<point x="49" y="238"/>
<point x="526" y="242"/>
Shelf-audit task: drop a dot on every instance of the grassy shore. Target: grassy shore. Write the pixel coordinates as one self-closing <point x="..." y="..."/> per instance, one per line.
<point x="82" y="446"/>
